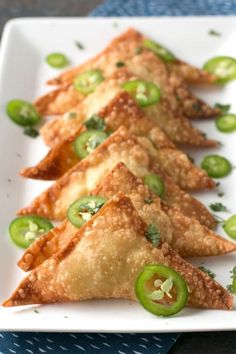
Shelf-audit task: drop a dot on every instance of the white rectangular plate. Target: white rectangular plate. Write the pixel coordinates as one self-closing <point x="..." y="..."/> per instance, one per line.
<point x="23" y="73"/>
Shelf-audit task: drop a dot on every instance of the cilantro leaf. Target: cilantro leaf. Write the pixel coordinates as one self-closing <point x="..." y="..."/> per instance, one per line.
<point x="218" y="207"/>
<point x="153" y="234"/>
<point x="95" y="122"/>
<point x="207" y="271"/>
<point x="223" y="107"/>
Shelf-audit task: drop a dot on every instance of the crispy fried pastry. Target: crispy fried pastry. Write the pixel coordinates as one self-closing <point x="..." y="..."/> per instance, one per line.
<point x="129" y="44"/>
<point x="176" y="99"/>
<point x="177" y="128"/>
<point x="103" y="259"/>
<point x="186" y="235"/>
<point x="123" y="111"/>
<point x="121" y="146"/>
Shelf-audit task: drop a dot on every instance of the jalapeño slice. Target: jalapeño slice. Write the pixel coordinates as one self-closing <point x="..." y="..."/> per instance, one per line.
<point x="57" y="60"/>
<point x="224" y="68"/>
<point x="155" y="184"/>
<point x="159" y="50"/>
<point x="161" y="290"/>
<point x="230" y="227"/>
<point x="144" y="92"/>
<point x="87" y="81"/>
<point x="82" y="209"/>
<point x="226" y="123"/>
<point x="88" y="141"/>
<point x="216" y="166"/>
<point x="22" y="113"/>
<point x="25" y="229"/>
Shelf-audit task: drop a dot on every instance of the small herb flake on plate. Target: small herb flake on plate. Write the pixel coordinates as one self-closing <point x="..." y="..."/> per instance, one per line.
<point x="223" y="107"/>
<point x="221" y="194"/>
<point x="153" y="234"/>
<point x="218" y="207"/>
<point x="32" y="132"/>
<point x="36" y="311"/>
<point x="207" y="271"/>
<point x="79" y="45"/>
<point x="215" y="33"/>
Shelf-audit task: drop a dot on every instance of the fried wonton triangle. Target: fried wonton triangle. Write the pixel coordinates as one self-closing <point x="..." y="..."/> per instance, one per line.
<point x="177" y="128"/>
<point x="121" y="146"/>
<point x="123" y="111"/>
<point x="185" y="235"/>
<point x="128" y="44"/>
<point x="176" y="96"/>
<point x="103" y="259"/>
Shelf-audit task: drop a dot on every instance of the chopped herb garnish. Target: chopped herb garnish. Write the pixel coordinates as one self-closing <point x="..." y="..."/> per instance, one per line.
<point x="207" y="271"/>
<point x="153" y="235"/>
<point x="148" y="200"/>
<point x="32" y="132"/>
<point x="221" y="194"/>
<point x="138" y="51"/>
<point x="18" y="154"/>
<point x="223" y="107"/>
<point x="215" y="33"/>
<point x="9" y="180"/>
<point x="120" y="64"/>
<point x="95" y="122"/>
<point x="217" y="184"/>
<point x="196" y="107"/>
<point x="36" y="311"/>
<point x="79" y="45"/>
<point x="232" y="287"/>
<point x="218" y="207"/>
<point x="66" y="317"/>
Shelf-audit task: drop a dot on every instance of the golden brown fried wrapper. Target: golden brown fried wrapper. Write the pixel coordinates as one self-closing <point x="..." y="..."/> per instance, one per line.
<point x="130" y="43"/>
<point x="176" y="96"/>
<point x="177" y="128"/>
<point x="186" y="235"/>
<point x="121" y="146"/>
<point x="123" y="111"/>
<point x="103" y="260"/>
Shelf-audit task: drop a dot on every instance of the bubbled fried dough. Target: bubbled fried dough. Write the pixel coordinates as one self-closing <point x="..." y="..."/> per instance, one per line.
<point x="177" y="128"/>
<point x="103" y="259"/>
<point x="122" y="110"/>
<point x="121" y="146"/>
<point x="176" y="98"/>
<point x="185" y="235"/>
<point x="129" y="42"/>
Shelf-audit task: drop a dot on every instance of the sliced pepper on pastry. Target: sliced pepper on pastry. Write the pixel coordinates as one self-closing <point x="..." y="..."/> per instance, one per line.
<point x="103" y="259"/>
<point x="178" y="128"/>
<point x="122" y="111"/>
<point x="121" y="146"/>
<point x="133" y="43"/>
<point x="185" y="235"/>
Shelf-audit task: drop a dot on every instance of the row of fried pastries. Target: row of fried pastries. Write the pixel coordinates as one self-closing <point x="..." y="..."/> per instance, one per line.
<point x="103" y="258"/>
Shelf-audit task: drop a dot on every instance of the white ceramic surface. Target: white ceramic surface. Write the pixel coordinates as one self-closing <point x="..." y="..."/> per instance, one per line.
<point x="23" y="73"/>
